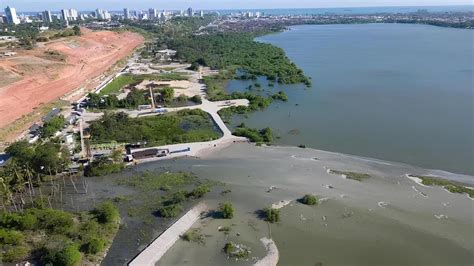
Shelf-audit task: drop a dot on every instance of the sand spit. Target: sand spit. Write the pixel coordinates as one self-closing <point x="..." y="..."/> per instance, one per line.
<point x="416" y="180"/>
<point x="280" y="204"/>
<point x="272" y="257"/>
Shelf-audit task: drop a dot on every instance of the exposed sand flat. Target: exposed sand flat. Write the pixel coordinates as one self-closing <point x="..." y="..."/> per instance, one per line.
<point x="416" y="180"/>
<point x="45" y="79"/>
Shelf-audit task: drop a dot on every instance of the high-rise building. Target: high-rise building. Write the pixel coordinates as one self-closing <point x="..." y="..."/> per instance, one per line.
<point x="73" y="14"/>
<point x="12" y="18"/>
<point x="99" y="13"/>
<point x="126" y="13"/>
<point x="47" y="18"/>
<point x="102" y="14"/>
<point x="190" y="12"/>
<point x="64" y="14"/>
<point x="152" y="14"/>
<point x="201" y="13"/>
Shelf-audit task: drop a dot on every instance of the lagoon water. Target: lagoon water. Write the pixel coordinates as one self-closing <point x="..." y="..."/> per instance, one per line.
<point x="389" y="91"/>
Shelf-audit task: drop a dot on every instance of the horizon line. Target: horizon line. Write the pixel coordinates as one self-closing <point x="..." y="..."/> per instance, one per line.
<point x="266" y="8"/>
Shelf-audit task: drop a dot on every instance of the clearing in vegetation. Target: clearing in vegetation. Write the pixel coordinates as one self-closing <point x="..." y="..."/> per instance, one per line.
<point x="181" y="127"/>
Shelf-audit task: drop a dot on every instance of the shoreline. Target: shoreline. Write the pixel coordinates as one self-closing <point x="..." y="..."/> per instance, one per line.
<point x="447" y="175"/>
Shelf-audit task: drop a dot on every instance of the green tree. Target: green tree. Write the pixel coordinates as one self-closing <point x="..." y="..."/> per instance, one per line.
<point x="167" y="94"/>
<point x="106" y="213"/>
<point x="52" y="126"/>
<point x="21" y="151"/>
<point x="68" y="256"/>
<point x="95" y="245"/>
<point x="226" y="210"/>
<point x="77" y="30"/>
<point x="272" y="215"/>
<point x="309" y="199"/>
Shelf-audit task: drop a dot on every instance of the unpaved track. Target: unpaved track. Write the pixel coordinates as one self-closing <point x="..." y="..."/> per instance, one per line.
<point x="88" y="56"/>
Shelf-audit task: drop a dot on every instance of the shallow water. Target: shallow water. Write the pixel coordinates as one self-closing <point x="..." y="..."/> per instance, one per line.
<point x="355" y="230"/>
<point x="396" y="92"/>
<point x="359" y="229"/>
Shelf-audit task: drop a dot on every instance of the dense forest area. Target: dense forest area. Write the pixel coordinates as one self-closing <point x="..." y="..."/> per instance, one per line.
<point x="222" y="50"/>
<point x="239" y="51"/>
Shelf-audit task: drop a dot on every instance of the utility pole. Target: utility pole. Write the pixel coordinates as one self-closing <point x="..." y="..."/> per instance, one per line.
<point x="81" y="129"/>
<point x="152" y="99"/>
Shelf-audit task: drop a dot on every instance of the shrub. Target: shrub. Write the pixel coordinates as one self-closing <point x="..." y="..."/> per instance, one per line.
<point x="10" y="237"/>
<point x="54" y="221"/>
<point x="196" y="99"/>
<point x="199" y="191"/>
<point x="102" y="166"/>
<point x="106" y="213"/>
<point x="193" y="235"/>
<point x="237" y="251"/>
<point x="281" y="95"/>
<point x="272" y="215"/>
<point x="226" y="210"/>
<point x="68" y="256"/>
<point x="229" y="248"/>
<point x="182" y="98"/>
<point x="176" y="198"/>
<point x="309" y="200"/>
<point x="14" y="254"/>
<point x="170" y="211"/>
<point x="94" y="246"/>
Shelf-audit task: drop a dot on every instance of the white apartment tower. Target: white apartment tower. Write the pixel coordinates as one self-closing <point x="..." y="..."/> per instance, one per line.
<point x="47" y="18"/>
<point x="12" y="18"/>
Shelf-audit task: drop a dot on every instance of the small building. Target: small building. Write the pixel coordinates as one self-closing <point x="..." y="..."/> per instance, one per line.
<point x="69" y="139"/>
<point x="51" y="114"/>
<point x="4" y="159"/>
<point x="72" y="119"/>
<point x="149" y="153"/>
<point x="165" y="55"/>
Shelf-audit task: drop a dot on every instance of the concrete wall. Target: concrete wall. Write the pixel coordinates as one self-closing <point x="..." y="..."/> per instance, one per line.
<point x="153" y="253"/>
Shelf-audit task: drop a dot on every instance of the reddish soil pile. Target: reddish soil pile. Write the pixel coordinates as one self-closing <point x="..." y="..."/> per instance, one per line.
<point x="53" y="70"/>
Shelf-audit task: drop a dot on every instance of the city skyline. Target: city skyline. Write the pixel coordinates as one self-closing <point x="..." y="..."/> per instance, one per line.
<point x="87" y="5"/>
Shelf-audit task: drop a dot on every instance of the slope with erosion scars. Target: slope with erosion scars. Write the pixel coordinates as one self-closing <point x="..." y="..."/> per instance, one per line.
<point x="87" y="57"/>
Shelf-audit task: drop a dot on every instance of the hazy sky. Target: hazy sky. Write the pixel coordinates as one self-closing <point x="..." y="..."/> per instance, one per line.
<point x="37" y="5"/>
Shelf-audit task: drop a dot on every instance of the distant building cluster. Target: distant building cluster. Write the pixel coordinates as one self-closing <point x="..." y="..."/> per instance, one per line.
<point x="65" y="16"/>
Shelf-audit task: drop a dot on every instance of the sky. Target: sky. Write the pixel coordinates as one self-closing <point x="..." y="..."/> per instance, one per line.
<point x="37" y="5"/>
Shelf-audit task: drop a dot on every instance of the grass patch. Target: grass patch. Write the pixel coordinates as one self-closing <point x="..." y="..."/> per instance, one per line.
<point x="451" y="186"/>
<point x="351" y="175"/>
<point x="149" y="181"/>
<point x="193" y="235"/>
<point x="181" y="127"/>
<point x="254" y="135"/>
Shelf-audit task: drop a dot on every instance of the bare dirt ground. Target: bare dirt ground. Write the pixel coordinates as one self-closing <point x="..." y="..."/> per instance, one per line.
<point x="46" y="73"/>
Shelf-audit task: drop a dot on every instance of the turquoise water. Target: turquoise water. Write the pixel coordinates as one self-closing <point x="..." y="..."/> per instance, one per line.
<point x="395" y="92"/>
